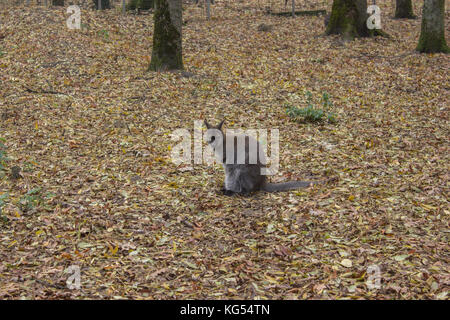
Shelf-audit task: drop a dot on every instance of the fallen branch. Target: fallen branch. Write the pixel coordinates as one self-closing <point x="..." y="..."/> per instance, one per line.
<point x="300" y="13"/>
<point x="44" y="91"/>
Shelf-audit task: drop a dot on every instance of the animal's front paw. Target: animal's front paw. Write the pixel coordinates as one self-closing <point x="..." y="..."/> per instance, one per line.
<point x="246" y="194"/>
<point x="227" y="192"/>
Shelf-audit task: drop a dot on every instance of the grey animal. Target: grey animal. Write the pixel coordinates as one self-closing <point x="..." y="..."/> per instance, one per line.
<point x="247" y="177"/>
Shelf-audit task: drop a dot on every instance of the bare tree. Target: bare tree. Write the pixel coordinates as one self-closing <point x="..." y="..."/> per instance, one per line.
<point x="208" y="9"/>
<point x="102" y="4"/>
<point x="348" y="18"/>
<point x="167" y="50"/>
<point x="432" y="32"/>
<point x="404" y="9"/>
<point x="141" y="4"/>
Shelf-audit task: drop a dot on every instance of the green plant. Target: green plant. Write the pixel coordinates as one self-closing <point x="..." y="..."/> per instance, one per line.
<point x="3" y="155"/>
<point x="326" y="100"/>
<point x="3" y="197"/>
<point x="31" y="199"/>
<point x="28" y="167"/>
<point x="104" y="33"/>
<point x="310" y="113"/>
<point x="318" y="60"/>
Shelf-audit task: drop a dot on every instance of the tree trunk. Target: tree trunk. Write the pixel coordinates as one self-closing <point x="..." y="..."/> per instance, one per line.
<point x="167" y="51"/>
<point x="404" y="10"/>
<point x="208" y="9"/>
<point x="58" y="3"/>
<point x="212" y="1"/>
<point x="104" y="3"/>
<point x="432" y="32"/>
<point x="348" y="18"/>
<point x="141" y="4"/>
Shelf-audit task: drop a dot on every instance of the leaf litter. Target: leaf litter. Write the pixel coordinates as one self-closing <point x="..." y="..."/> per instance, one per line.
<point x="90" y="129"/>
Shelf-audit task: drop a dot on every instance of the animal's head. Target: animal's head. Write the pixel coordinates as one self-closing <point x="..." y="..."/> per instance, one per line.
<point x="214" y="134"/>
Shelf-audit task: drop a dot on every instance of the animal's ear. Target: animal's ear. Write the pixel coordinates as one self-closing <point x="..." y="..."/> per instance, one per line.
<point x="207" y="124"/>
<point x="219" y="127"/>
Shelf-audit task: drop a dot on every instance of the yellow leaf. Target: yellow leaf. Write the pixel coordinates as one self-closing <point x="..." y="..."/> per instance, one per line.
<point x="113" y="251"/>
<point x="428" y="207"/>
<point x="173" y="185"/>
<point x="270" y="279"/>
<point x="165" y="286"/>
<point x="346" y="263"/>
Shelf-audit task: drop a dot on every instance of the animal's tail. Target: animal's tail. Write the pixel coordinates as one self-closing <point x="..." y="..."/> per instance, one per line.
<point x="285" y="186"/>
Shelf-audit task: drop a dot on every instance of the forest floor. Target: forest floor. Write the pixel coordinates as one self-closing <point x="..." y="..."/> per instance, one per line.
<point x="90" y="130"/>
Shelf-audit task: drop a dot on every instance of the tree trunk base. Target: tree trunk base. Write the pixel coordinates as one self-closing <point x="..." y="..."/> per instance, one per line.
<point x="348" y="18"/>
<point x="405" y="17"/>
<point x="432" y="46"/>
<point x="379" y="33"/>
